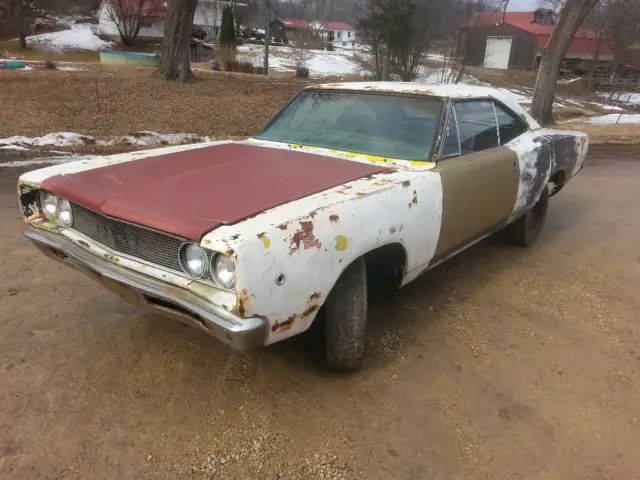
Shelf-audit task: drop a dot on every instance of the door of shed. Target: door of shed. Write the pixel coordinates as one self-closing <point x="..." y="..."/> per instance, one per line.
<point x="497" y="52"/>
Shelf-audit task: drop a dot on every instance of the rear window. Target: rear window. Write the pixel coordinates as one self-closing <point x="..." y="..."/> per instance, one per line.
<point x="385" y="125"/>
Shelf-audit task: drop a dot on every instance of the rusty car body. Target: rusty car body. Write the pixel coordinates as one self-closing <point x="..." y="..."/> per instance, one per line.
<point x="248" y="240"/>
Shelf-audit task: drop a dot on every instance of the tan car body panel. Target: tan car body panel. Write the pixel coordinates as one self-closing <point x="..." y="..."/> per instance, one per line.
<point x="479" y="191"/>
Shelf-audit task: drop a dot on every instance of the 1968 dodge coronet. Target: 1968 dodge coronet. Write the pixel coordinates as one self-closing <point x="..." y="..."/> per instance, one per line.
<point x="249" y="240"/>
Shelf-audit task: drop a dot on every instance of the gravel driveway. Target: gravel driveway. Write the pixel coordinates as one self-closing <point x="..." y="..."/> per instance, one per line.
<point x="502" y="363"/>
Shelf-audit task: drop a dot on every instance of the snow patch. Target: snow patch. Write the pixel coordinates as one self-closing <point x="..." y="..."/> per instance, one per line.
<point x="321" y="63"/>
<point x="69" y="139"/>
<point x="628" y="98"/>
<point x="44" y="161"/>
<point x="611" y="119"/>
<point x="80" y="36"/>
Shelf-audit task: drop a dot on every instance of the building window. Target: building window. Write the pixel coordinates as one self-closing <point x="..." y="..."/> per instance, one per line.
<point x="348" y="34"/>
<point x="338" y="35"/>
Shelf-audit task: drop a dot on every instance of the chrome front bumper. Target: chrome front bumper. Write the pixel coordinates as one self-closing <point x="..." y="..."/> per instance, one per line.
<point x="164" y="298"/>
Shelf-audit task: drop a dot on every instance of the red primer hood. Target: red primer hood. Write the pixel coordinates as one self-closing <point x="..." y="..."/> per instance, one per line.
<point x="192" y="192"/>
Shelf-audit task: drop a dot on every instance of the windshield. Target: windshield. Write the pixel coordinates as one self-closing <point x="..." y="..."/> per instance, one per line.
<point x="385" y="125"/>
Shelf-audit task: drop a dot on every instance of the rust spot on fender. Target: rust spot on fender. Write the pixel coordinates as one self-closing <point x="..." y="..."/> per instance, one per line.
<point x="284" y="326"/>
<point x="233" y="237"/>
<point x="313" y="304"/>
<point x="414" y="201"/>
<point x="243" y="303"/>
<point x="313" y="214"/>
<point x="305" y="237"/>
<point x="334" y="218"/>
<point x="283" y="226"/>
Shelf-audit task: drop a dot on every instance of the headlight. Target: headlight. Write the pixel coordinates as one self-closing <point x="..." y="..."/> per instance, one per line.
<point x="223" y="270"/>
<point x="193" y="260"/>
<point x="49" y="203"/>
<point x="65" y="215"/>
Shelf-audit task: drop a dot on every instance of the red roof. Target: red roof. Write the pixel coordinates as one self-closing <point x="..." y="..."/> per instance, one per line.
<point x="337" y="26"/>
<point x="584" y="41"/>
<point x="293" y="23"/>
<point x="150" y="8"/>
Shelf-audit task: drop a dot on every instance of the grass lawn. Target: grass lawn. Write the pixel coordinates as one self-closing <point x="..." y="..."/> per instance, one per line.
<point x="107" y="101"/>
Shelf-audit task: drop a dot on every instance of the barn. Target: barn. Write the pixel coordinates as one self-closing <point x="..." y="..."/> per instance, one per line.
<point x="516" y="40"/>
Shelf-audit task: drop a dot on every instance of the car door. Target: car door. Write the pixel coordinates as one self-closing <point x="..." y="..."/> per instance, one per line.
<point x="479" y="176"/>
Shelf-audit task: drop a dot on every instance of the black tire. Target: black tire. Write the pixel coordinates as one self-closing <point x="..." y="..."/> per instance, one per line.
<point x="525" y="230"/>
<point x="346" y="319"/>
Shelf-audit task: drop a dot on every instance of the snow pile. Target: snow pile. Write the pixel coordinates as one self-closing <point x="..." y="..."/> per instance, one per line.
<point x="80" y="36"/>
<point x="152" y="139"/>
<point x="611" y="119"/>
<point x="68" y="139"/>
<point x="60" y="139"/>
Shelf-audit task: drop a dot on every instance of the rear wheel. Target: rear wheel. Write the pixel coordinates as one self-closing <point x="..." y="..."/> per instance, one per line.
<point x="346" y="318"/>
<point x="525" y="230"/>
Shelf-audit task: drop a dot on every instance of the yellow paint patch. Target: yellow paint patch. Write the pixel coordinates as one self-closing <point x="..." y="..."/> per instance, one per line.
<point x="427" y="165"/>
<point x="341" y="243"/>
<point x="266" y="241"/>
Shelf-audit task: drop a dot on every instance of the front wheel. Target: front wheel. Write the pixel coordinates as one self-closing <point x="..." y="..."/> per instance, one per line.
<point x="346" y="318"/>
<point x="525" y="230"/>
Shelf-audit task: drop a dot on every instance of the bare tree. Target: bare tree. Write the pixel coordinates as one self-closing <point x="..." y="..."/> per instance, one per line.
<point x="21" y="14"/>
<point x="130" y="15"/>
<point x="568" y="23"/>
<point x="175" y="60"/>
<point x="400" y="33"/>
<point x="624" y="28"/>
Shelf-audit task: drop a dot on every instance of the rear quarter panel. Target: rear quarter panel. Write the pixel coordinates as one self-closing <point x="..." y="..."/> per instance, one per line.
<point x="542" y="153"/>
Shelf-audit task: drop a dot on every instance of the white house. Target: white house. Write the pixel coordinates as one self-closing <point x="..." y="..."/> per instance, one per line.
<point x="337" y="32"/>
<point x="208" y="17"/>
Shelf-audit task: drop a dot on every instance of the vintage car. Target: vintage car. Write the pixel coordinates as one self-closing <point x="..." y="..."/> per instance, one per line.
<point x="250" y="240"/>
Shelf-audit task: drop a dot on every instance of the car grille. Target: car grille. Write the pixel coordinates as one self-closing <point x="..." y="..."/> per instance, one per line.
<point x="133" y="240"/>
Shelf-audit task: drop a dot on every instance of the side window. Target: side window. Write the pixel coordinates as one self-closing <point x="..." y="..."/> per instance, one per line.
<point x="509" y="125"/>
<point x="451" y="140"/>
<point x="477" y="126"/>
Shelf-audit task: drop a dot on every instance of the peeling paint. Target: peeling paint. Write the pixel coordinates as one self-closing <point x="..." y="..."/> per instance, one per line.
<point x="305" y="237"/>
<point x="334" y="218"/>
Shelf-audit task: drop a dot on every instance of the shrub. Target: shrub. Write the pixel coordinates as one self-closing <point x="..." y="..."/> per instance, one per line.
<point x="245" y="67"/>
<point x="329" y="47"/>
<point x="302" y="72"/>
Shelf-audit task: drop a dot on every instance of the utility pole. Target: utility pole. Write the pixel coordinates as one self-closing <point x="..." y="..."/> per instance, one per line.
<point x="267" y="37"/>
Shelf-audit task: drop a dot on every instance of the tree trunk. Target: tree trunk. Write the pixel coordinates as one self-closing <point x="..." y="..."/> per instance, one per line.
<point x="594" y="66"/>
<point x="23" y="39"/>
<point x="571" y="18"/>
<point x="22" y="36"/>
<point x="386" y="64"/>
<point x="175" y="60"/>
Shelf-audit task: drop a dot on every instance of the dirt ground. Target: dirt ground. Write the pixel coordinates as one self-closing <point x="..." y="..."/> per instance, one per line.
<point x="502" y="363"/>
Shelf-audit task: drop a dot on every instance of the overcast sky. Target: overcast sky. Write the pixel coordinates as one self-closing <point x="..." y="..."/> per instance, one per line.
<point x="523" y="5"/>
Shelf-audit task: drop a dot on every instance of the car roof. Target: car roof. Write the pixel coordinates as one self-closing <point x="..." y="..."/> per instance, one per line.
<point x="443" y="90"/>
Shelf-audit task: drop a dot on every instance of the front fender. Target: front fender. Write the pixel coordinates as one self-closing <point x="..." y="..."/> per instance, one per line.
<point x="289" y="258"/>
